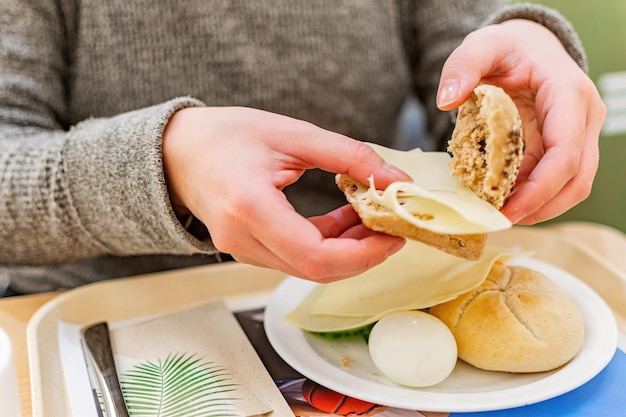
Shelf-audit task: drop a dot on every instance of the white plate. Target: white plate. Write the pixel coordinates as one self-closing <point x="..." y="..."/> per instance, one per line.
<point x="467" y="388"/>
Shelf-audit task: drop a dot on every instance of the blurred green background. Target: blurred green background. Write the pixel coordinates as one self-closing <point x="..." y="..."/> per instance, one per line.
<point x="600" y="25"/>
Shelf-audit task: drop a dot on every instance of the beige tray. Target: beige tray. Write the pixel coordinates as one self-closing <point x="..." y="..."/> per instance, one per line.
<point x="122" y="299"/>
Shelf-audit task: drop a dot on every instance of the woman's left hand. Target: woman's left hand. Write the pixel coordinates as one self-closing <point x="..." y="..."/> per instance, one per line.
<point x="561" y="110"/>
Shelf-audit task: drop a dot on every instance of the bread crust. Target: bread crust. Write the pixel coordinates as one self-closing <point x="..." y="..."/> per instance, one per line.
<point x="382" y="219"/>
<point x="487" y="144"/>
<point x="516" y="321"/>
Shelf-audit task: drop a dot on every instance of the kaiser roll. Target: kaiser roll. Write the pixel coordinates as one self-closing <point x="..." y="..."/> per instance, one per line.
<point x="516" y="321"/>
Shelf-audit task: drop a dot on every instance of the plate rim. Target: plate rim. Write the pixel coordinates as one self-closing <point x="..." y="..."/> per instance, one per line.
<point x="595" y="310"/>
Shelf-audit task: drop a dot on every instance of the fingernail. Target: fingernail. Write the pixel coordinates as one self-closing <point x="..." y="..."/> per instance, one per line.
<point x="449" y="92"/>
<point x="396" y="171"/>
<point x="396" y="247"/>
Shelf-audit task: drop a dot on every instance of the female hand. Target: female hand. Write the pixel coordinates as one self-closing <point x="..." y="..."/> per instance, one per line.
<point x="561" y="110"/>
<point x="228" y="167"/>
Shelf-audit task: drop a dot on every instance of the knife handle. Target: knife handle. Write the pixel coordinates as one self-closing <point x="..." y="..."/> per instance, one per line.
<point x="98" y="343"/>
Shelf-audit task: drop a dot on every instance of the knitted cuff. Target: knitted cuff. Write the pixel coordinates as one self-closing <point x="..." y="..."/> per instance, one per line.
<point x="552" y="20"/>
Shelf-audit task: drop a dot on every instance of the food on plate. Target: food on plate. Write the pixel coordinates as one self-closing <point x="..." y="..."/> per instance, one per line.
<point x="363" y="331"/>
<point x="416" y="277"/>
<point x="517" y="320"/>
<point x="413" y="348"/>
<point x="453" y="201"/>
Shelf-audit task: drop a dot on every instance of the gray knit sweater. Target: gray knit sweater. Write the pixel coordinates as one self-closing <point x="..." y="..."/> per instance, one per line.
<point x="87" y="86"/>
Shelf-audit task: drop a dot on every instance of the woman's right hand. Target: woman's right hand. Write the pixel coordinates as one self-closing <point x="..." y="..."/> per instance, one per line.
<point x="228" y="166"/>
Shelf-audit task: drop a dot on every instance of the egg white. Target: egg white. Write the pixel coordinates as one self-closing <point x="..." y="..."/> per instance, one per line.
<point x="413" y="348"/>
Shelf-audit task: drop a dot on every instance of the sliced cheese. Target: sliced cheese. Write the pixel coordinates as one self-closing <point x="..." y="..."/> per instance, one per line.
<point x="416" y="277"/>
<point x="435" y="200"/>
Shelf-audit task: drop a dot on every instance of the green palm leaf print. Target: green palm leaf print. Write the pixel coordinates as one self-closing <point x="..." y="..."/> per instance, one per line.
<point x="181" y="385"/>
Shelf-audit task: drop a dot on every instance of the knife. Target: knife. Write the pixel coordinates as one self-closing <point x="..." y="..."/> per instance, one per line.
<point x="93" y="381"/>
<point x="98" y="342"/>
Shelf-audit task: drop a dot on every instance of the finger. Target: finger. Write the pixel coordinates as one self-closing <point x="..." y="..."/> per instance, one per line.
<point x="359" y="232"/>
<point x="465" y="67"/>
<point x="300" y="244"/>
<point x="343" y="223"/>
<point x="336" y="222"/>
<point x="529" y="162"/>
<point x="233" y="233"/>
<point x="568" y="145"/>
<point x="579" y="188"/>
<point x="285" y="268"/>
<point x="266" y="259"/>
<point x="251" y="261"/>
<point x="336" y="153"/>
<point x="280" y="238"/>
<point x="265" y="230"/>
<point x="254" y="253"/>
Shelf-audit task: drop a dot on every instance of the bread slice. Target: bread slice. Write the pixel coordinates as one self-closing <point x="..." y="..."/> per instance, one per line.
<point x="486" y="148"/>
<point x="382" y="219"/>
<point x="487" y="144"/>
<point x="517" y="320"/>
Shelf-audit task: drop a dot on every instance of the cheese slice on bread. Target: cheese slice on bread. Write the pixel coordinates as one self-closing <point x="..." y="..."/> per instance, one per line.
<point x="454" y="200"/>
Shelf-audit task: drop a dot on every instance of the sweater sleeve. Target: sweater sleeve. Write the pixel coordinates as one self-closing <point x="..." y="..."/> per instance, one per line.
<point x="75" y="191"/>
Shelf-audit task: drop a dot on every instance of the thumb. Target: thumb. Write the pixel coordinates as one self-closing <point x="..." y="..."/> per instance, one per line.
<point x="462" y="72"/>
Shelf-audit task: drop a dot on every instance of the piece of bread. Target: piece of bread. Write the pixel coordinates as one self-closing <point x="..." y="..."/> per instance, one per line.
<point x="486" y="148"/>
<point x="516" y="321"/>
<point x="487" y="144"/>
<point x="384" y="220"/>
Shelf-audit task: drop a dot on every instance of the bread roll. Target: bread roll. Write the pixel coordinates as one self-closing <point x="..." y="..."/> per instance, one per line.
<point x="487" y="144"/>
<point x="516" y="321"/>
<point x="486" y="148"/>
<point x="384" y="220"/>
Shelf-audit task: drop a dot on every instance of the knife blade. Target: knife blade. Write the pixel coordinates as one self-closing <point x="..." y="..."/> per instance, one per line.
<point x="93" y="381"/>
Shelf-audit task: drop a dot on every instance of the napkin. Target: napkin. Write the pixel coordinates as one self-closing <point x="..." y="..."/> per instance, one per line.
<point x="203" y="342"/>
<point x="603" y="395"/>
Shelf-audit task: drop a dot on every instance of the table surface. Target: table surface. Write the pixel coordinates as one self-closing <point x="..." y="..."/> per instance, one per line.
<point x="15" y="312"/>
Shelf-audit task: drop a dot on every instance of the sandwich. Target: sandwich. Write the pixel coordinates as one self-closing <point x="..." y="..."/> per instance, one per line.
<point x="456" y="196"/>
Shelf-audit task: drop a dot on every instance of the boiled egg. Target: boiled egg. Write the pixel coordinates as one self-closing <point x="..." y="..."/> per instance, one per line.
<point x="413" y="348"/>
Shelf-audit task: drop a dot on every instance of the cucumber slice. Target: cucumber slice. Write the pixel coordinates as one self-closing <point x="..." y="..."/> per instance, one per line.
<point x="363" y="331"/>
